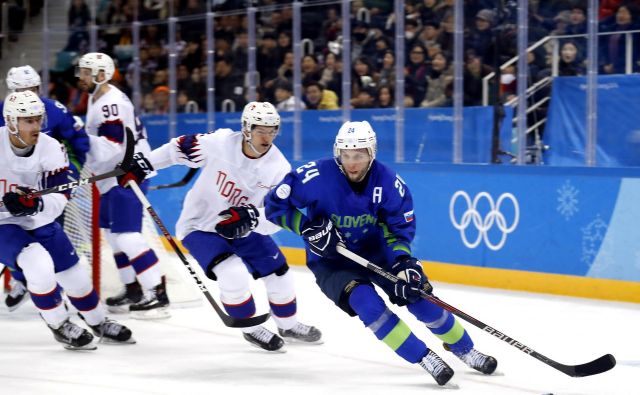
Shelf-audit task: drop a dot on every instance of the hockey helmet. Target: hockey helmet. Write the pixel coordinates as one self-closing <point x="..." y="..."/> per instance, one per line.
<point x="21" y="105"/>
<point x="355" y="135"/>
<point x="96" y="62"/>
<point x="22" y="77"/>
<point x="259" y="113"/>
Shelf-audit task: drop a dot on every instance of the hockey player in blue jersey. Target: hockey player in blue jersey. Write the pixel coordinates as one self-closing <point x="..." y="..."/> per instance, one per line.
<point x="62" y="126"/>
<point x="356" y="200"/>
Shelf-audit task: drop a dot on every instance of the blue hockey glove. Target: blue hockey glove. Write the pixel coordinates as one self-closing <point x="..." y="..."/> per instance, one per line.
<point x="412" y="279"/>
<point x="322" y="237"/>
<point x="238" y="222"/>
<point x="138" y="171"/>
<point x="19" y="205"/>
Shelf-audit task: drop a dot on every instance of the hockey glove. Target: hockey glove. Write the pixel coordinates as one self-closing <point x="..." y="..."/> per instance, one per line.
<point x="138" y="171"/>
<point x="412" y="279"/>
<point x="238" y="222"/>
<point x="19" y="205"/>
<point x="322" y="237"/>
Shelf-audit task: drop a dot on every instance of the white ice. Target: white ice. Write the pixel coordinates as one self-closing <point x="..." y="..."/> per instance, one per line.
<point x="193" y="353"/>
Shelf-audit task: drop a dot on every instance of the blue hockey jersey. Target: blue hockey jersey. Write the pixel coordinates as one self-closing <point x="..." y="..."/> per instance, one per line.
<point x="377" y="223"/>
<point x="61" y="126"/>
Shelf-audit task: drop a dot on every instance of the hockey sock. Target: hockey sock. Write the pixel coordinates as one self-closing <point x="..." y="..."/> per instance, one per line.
<point x="125" y="270"/>
<point x="443" y="324"/>
<point x="79" y="289"/>
<point x="282" y="299"/>
<point x="143" y="259"/>
<point x="385" y="324"/>
<point x="233" y="281"/>
<point x="37" y="266"/>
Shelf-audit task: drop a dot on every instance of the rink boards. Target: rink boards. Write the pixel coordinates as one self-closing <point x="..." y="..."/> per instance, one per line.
<point x="568" y="231"/>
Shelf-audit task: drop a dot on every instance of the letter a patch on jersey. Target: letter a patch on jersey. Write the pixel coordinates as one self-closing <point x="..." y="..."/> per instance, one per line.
<point x="408" y="216"/>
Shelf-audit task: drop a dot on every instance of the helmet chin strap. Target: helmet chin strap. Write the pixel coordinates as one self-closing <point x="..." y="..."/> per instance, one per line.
<point x="247" y="139"/>
<point x="97" y="85"/>
<point x="16" y="134"/>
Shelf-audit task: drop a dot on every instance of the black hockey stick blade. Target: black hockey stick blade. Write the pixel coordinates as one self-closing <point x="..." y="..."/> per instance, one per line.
<point x="185" y="180"/>
<point x="226" y="319"/>
<point x="597" y="366"/>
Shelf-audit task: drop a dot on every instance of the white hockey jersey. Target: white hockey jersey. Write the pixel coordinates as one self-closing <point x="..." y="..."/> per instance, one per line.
<point x="228" y="177"/>
<point x="106" y="119"/>
<point x="48" y="158"/>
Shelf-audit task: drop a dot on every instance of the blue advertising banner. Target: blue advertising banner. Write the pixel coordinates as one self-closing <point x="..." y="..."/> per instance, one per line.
<point x="618" y="112"/>
<point x="574" y="221"/>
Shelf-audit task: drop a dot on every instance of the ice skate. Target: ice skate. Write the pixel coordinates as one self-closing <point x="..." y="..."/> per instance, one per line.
<point x="112" y="332"/>
<point x="263" y="338"/>
<point x="119" y="304"/>
<point x="438" y="368"/>
<point x="17" y="295"/>
<point x="475" y="359"/>
<point x="154" y="304"/>
<point x="73" y="337"/>
<point x="301" y="333"/>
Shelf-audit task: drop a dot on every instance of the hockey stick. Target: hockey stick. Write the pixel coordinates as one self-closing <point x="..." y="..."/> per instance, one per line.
<point x="226" y="319"/>
<point x="118" y="171"/>
<point x="185" y="180"/>
<point x="597" y="366"/>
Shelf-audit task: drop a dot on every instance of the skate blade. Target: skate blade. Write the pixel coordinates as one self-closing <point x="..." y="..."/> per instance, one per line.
<point x="88" y="347"/>
<point x="15" y="306"/>
<point x="281" y="350"/>
<point x="123" y="309"/>
<point x="294" y="341"/>
<point x="106" y="340"/>
<point x="155" y="314"/>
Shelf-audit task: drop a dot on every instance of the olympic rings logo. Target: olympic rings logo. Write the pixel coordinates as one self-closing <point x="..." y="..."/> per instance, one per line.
<point x="483" y="225"/>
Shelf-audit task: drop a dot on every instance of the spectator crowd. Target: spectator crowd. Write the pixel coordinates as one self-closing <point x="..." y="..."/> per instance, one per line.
<point x="489" y="39"/>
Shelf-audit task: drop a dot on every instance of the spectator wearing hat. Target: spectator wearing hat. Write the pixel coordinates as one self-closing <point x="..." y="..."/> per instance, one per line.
<point x="480" y="36"/>
<point x="317" y="97"/>
<point x="161" y="99"/>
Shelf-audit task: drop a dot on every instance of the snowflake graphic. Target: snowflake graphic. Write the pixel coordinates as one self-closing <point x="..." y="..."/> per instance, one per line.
<point x="567" y="200"/>
<point x="592" y="237"/>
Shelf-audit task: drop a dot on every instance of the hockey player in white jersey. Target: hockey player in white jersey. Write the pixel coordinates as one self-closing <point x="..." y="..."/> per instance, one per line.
<point x="31" y="241"/>
<point x="238" y="169"/>
<point x="62" y="126"/>
<point x="109" y="112"/>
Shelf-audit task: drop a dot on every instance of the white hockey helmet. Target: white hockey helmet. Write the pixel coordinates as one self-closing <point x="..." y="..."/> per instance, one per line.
<point x="21" y="105"/>
<point x="355" y="135"/>
<point x="96" y="62"/>
<point x="259" y="113"/>
<point x="22" y="77"/>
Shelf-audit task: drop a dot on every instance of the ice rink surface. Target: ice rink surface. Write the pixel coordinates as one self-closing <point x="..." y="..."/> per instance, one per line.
<point x="193" y="353"/>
